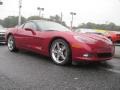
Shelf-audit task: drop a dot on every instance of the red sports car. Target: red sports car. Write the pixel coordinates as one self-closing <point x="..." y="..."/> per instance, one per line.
<point x="114" y="36"/>
<point x="62" y="45"/>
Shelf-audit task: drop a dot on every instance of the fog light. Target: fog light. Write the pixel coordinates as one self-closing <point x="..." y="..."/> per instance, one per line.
<point x="87" y="55"/>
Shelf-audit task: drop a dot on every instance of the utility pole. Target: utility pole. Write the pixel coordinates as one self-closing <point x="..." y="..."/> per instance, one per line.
<point x="61" y="17"/>
<point x="40" y="10"/>
<point x="20" y="6"/>
<point x="72" y="14"/>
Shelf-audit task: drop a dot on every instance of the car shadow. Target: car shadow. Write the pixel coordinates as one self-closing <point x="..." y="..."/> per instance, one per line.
<point x="92" y="65"/>
<point x="87" y="66"/>
<point x="79" y="65"/>
<point x="34" y="55"/>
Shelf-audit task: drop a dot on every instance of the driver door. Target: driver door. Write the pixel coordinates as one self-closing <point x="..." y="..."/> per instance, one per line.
<point x="29" y="35"/>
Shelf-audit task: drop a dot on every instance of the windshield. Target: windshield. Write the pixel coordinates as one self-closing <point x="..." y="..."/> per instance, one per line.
<point x="48" y="25"/>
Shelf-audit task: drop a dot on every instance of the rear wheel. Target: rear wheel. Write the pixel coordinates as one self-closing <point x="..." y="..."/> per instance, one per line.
<point x="60" y="52"/>
<point x="11" y="43"/>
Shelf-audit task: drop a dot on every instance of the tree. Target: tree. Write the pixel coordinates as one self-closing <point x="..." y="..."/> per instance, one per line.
<point x="34" y="18"/>
<point x="110" y="26"/>
<point x="12" y="21"/>
<point x="1" y="22"/>
<point x="57" y="19"/>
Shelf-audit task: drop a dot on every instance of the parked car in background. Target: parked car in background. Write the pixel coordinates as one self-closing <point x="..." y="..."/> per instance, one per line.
<point x="2" y="34"/>
<point x="114" y="36"/>
<point x="94" y="31"/>
<point x="59" y="43"/>
<point x="83" y="30"/>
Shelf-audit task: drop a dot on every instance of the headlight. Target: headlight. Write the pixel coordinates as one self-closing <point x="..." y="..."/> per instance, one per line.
<point x="109" y="41"/>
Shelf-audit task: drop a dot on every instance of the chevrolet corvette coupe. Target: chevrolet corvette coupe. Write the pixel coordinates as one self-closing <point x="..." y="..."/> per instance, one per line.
<point x="58" y="42"/>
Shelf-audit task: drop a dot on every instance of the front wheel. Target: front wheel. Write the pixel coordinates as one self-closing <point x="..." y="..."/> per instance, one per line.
<point x="11" y="43"/>
<point x="60" y="52"/>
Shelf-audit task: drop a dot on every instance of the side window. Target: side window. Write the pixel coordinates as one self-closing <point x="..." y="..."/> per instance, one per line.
<point x="30" y="25"/>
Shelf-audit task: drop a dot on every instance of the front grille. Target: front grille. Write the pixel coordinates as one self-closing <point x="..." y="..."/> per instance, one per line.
<point x="104" y="55"/>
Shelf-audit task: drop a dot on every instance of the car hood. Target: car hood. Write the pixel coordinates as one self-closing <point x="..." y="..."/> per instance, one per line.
<point x="92" y="38"/>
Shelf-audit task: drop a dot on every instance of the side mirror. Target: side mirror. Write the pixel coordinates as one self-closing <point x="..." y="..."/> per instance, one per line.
<point x="29" y="29"/>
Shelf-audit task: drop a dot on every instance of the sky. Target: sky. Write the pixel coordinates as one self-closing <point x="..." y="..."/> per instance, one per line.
<point x="96" y="11"/>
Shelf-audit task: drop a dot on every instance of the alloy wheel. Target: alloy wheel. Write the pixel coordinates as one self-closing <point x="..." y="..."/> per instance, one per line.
<point x="60" y="52"/>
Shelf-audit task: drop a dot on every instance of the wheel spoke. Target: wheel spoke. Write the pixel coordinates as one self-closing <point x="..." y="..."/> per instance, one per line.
<point x="8" y="45"/>
<point x="58" y="45"/>
<point x="63" y="57"/>
<point x="63" y="48"/>
<point x="58" y="57"/>
<point x="54" y="51"/>
<point x="11" y="42"/>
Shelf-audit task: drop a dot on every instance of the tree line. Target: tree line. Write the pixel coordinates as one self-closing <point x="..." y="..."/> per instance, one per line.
<point x="110" y="26"/>
<point x="12" y="21"/>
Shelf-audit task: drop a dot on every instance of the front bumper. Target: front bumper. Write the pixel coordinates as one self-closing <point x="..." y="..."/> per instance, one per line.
<point x="94" y="58"/>
<point x="88" y="53"/>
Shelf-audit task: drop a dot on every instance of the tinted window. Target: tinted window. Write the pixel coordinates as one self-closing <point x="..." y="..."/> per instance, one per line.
<point x="30" y="25"/>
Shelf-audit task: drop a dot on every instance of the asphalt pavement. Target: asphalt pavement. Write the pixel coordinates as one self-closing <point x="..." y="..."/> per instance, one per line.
<point x="117" y="51"/>
<point x="28" y="71"/>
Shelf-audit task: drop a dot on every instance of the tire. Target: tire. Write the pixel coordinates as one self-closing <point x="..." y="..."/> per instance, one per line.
<point x="60" y="52"/>
<point x="11" y="44"/>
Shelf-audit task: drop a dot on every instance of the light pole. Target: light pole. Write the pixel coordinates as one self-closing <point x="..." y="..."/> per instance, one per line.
<point x="40" y="10"/>
<point x="61" y="17"/>
<point x="72" y="13"/>
<point x="20" y="6"/>
<point x="1" y="3"/>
